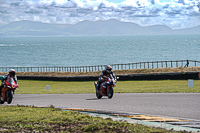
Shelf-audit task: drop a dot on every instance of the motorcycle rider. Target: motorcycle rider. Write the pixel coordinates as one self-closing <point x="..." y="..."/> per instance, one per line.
<point x="105" y="73"/>
<point x="11" y="73"/>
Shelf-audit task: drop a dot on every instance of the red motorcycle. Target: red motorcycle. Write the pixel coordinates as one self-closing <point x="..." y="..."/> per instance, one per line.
<point x="106" y="88"/>
<point x="8" y="91"/>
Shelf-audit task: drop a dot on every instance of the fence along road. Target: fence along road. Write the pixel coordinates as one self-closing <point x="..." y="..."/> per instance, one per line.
<point x="128" y="66"/>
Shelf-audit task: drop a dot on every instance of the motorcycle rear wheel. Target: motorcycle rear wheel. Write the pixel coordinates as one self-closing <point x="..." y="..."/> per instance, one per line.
<point x="110" y="92"/>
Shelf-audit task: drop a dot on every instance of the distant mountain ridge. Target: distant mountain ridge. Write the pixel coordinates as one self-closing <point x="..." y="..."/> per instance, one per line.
<point x="87" y="28"/>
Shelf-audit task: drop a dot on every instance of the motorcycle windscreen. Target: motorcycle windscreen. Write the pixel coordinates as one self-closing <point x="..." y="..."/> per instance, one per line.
<point x="11" y="82"/>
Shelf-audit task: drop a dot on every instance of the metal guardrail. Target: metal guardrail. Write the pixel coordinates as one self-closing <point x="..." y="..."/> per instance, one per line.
<point x="128" y="66"/>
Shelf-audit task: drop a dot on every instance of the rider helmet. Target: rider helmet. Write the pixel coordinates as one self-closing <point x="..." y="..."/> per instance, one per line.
<point x="108" y="68"/>
<point x="12" y="72"/>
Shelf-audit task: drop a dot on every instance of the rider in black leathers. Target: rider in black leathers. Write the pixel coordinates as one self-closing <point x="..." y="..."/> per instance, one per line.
<point x="105" y="73"/>
<point x="11" y="73"/>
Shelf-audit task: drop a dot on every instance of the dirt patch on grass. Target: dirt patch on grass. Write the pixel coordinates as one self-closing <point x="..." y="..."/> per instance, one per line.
<point x="117" y="72"/>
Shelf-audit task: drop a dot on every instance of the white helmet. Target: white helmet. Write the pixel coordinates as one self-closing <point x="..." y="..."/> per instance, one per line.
<point x="12" y="72"/>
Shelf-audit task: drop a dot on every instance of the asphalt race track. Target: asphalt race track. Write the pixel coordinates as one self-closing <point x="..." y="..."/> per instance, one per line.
<point x="176" y="105"/>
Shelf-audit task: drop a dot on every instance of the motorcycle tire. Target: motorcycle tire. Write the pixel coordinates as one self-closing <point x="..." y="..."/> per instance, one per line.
<point x="9" y="96"/>
<point x="110" y="92"/>
<point x="98" y="95"/>
<point x="1" y="102"/>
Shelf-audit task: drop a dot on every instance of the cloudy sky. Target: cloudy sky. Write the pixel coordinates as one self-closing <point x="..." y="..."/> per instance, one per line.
<point x="173" y="13"/>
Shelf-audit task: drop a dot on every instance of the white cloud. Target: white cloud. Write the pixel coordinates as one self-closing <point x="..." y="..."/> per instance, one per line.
<point x="136" y="3"/>
<point x="176" y="14"/>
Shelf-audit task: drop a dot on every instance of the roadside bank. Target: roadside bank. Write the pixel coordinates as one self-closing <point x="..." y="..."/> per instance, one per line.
<point x="150" y="76"/>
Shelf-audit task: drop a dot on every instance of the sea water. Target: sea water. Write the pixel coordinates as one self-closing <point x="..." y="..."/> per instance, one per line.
<point x="86" y="51"/>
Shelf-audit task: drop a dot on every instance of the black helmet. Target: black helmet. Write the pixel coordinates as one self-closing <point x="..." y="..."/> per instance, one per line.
<point x="12" y="72"/>
<point x="108" y="68"/>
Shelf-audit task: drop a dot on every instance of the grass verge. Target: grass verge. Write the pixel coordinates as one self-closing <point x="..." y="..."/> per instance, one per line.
<point x="31" y="119"/>
<point x="62" y="87"/>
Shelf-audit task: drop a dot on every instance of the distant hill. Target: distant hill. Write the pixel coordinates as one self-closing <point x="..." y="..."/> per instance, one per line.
<point x="29" y="28"/>
<point x="86" y="28"/>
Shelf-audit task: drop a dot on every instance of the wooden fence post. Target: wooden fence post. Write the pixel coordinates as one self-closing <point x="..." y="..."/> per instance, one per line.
<point x="171" y="64"/>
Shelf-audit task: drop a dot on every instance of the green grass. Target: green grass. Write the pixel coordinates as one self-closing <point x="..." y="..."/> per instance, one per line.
<point x="56" y="87"/>
<point x="158" y="86"/>
<point x="30" y="119"/>
<point x="62" y="87"/>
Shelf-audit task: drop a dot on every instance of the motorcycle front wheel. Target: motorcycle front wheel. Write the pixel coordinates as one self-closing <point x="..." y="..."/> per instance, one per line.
<point x="110" y="92"/>
<point x="98" y="95"/>
<point x="9" y="96"/>
<point x="1" y="102"/>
